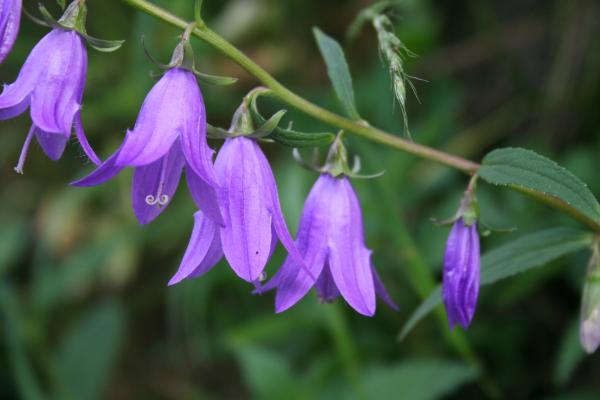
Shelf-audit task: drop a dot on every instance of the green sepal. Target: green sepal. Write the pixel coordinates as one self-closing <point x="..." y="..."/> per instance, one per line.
<point x="153" y="60"/>
<point x="47" y="18"/>
<point x="288" y="136"/>
<point x="105" y="46"/>
<point x="268" y="127"/>
<point x="214" y="132"/>
<point x="214" y="79"/>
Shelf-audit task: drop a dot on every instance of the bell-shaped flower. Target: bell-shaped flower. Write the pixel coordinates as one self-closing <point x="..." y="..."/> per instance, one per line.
<point x="169" y="134"/>
<point x="461" y="273"/>
<point x="589" y="331"/>
<point x="252" y="218"/>
<point x="51" y="84"/>
<point x="10" y="19"/>
<point x="331" y="241"/>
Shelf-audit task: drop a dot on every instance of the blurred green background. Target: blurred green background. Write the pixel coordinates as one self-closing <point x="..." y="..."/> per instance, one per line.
<point x="85" y="311"/>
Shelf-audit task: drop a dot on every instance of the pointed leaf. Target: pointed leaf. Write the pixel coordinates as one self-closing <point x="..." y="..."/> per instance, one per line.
<point x="527" y="252"/>
<point x="417" y="379"/>
<point x="529" y="172"/>
<point x="88" y="352"/>
<point x="338" y="71"/>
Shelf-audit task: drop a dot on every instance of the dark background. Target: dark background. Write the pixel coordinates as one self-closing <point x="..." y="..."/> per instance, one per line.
<point x="85" y="311"/>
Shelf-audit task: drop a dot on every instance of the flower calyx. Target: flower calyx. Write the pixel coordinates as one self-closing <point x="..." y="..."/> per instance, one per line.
<point x="183" y="57"/>
<point x="242" y="123"/>
<point x="468" y="210"/>
<point x="337" y="163"/>
<point x="74" y="18"/>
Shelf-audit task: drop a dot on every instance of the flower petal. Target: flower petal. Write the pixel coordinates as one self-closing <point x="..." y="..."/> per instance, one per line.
<point x="57" y="95"/>
<point x="107" y="170"/>
<point x="204" y="195"/>
<point x="9" y="26"/>
<point x="291" y="280"/>
<point x="349" y="259"/>
<point x="163" y="117"/>
<point x="270" y="187"/>
<point x="154" y="185"/>
<point x="325" y="286"/>
<point x="203" y="251"/>
<point x="246" y="238"/>
<point x="85" y="145"/>
<point x="193" y="140"/>
<point x="461" y="274"/>
<point x="381" y="292"/>
<point x="52" y="143"/>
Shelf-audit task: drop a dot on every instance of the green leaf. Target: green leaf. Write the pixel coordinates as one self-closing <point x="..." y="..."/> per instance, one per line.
<point x="13" y="334"/>
<point x="268" y="374"/>
<point x="527" y="252"/>
<point x="89" y="351"/>
<point x="288" y="136"/>
<point x="570" y="355"/>
<point x="417" y="379"/>
<point x="338" y="71"/>
<point x="529" y="172"/>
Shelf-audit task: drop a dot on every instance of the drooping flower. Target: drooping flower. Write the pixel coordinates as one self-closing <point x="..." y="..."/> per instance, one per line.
<point x="461" y="273"/>
<point x="170" y="133"/>
<point x="589" y="331"/>
<point x="252" y="218"/>
<point x="331" y="241"/>
<point x="10" y="19"/>
<point x="51" y="83"/>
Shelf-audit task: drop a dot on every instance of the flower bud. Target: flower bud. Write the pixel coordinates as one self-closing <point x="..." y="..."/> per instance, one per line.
<point x="589" y="332"/>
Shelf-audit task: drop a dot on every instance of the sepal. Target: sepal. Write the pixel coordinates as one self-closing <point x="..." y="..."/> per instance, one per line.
<point x="287" y="136"/>
<point x="214" y="79"/>
<point x="74" y="18"/>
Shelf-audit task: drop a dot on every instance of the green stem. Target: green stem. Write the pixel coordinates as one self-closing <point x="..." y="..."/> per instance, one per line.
<point x="359" y="128"/>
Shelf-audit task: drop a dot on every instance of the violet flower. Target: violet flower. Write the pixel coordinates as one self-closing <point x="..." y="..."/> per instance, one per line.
<point x="252" y="217"/>
<point x="331" y="241"/>
<point x="51" y="83"/>
<point x="169" y="134"/>
<point x="10" y="19"/>
<point x="461" y="273"/>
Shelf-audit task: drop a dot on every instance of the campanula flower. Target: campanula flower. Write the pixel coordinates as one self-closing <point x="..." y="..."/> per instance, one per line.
<point x="10" y="19"/>
<point x="331" y="241"/>
<point x="169" y="134"/>
<point x="589" y="331"/>
<point x="461" y="273"/>
<point x="252" y="218"/>
<point x="51" y="84"/>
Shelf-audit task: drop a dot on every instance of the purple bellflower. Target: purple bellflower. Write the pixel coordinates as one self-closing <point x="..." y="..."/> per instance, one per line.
<point x="331" y="240"/>
<point x="169" y="134"/>
<point x="461" y="273"/>
<point x="252" y="218"/>
<point x="462" y="264"/>
<point x="51" y="83"/>
<point x="10" y="19"/>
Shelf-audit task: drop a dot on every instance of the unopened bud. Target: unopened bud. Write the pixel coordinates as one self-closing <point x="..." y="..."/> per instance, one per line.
<point x="589" y="332"/>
